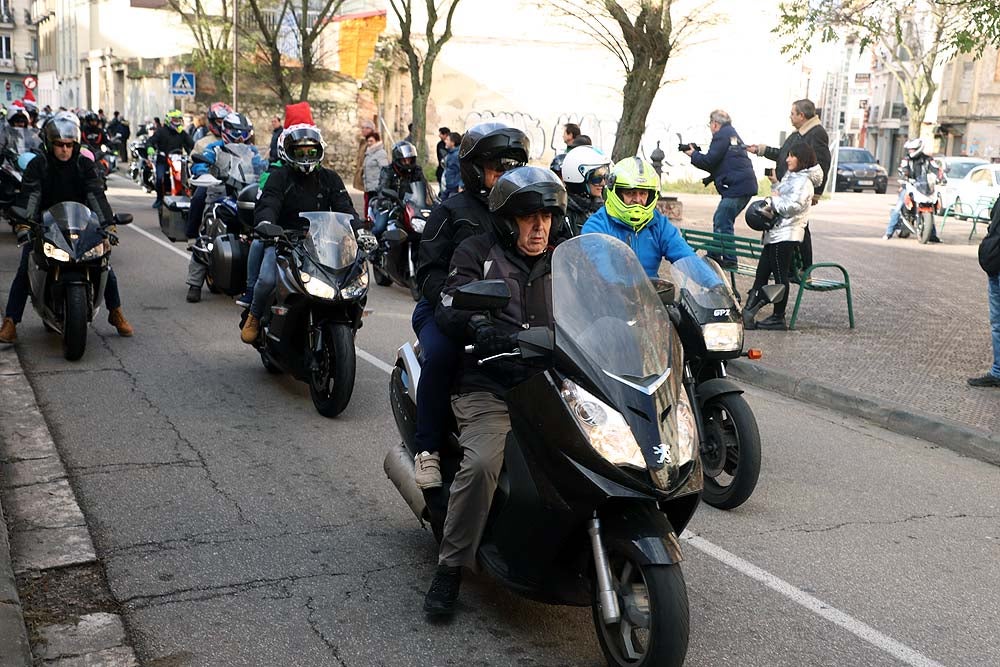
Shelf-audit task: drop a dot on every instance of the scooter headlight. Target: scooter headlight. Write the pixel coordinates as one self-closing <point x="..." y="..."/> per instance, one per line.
<point x="357" y="287"/>
<point x="55" y="253"/>
<point x="318" y="288"/>
<point x="607" y="430"/>
<point x="723" y="336"/>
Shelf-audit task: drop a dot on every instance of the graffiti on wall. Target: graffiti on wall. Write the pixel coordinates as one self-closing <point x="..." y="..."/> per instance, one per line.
<point x="601" y="132"/>
<point x="527" y="123"/>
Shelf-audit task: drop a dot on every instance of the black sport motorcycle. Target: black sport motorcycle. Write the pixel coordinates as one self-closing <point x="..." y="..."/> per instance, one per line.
<point x="395" y="261"/>
<point x="601" y="468"/>
<point x="68" y="271"/>
<point x="309" y="323"/>
<point x="710" y="325"/>
<point x="223" y="242"/>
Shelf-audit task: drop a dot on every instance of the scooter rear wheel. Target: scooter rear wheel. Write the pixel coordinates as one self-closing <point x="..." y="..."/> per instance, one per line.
<point x="732" y="455"/>
<point x="654" y="625"/>
<point x="75" y="322"/>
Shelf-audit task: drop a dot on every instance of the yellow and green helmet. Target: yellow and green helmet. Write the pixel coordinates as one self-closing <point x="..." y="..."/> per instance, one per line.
<point x="175" y="119"/>
<point x="632" y="173"/>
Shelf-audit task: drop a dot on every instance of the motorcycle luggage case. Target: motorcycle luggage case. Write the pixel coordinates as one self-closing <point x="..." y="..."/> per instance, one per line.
<point x="229" y="263"/>
<point x="173" y="221"/>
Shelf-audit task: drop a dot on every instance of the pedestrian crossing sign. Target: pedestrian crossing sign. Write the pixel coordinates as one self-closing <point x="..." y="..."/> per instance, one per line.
<point x="182" y="84"/>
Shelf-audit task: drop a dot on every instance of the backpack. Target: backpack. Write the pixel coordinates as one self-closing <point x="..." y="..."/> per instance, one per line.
<point x="989" y="248"/>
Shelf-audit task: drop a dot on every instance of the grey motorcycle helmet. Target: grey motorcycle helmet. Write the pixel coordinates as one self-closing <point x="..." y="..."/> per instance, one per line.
<point x="63" y="126"/>
<point x="522" y="191"/>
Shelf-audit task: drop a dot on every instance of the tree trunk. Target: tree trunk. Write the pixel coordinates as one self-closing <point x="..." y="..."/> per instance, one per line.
<point x="421" y="93"/>
<point x="641" y="86"/>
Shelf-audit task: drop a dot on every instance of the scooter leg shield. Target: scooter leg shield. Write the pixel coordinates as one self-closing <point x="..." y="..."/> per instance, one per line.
<point x="640" y="531"/>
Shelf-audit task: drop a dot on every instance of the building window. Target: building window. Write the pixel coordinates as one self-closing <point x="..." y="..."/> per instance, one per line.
<point x="965" y="89"/>
<point x="5" y="13"/>
<point x="5" y="52"/>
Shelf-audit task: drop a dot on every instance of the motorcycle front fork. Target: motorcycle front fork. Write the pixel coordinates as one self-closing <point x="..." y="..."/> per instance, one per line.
<point x="690" y="385"/>
<point x="610" y="611"/>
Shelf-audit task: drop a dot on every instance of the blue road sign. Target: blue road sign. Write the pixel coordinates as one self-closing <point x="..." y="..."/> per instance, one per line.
<point x="182" y="84"/>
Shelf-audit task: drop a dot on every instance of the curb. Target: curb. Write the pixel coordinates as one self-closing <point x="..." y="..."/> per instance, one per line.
<point x="887" y="414"/>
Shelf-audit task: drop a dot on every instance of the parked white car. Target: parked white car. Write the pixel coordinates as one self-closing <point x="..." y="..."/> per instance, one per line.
<point x="957" y="172"/>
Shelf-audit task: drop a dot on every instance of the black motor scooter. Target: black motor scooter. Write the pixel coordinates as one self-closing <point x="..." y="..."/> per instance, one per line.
<point x="708" y="319"/>
<point x="601" y="468"/>
<point x="308" y="326"/>
<point x="69" y="269"/>
<point x="395" y="260"/>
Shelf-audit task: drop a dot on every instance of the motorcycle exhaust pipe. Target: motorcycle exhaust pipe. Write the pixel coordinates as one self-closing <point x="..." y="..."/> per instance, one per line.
<point x="399" y="467"/>
<point x="605" y="589"/>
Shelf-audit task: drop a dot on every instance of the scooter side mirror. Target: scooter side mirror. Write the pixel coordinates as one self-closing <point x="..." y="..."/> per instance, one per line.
<point x="481" y="295"/>
<point x="123" y="218"/>
<point x="536" y="342"/>
<point x="269" y="229"/>
<point x="390" y="193"/>
<point x="773" y="293"/>
<point x="665" y="290"/>
<point x="394" y="236"/>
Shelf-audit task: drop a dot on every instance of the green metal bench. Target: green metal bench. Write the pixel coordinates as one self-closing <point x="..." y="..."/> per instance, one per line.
<point x="977" y="213"/>
<point x="747" y="251"/>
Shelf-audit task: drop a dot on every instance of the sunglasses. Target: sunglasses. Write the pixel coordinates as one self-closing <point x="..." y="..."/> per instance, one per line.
<point x="63" y="144"/>
<point x="598" y="177"/>
<point x="305" y="152"/>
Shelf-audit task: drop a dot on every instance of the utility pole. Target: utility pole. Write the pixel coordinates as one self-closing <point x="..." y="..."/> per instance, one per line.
<point x="236" y="51"/>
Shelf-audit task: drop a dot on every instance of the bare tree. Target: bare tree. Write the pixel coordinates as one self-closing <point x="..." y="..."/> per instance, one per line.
<point x="211" y="32"/>
<point x="421" y="66"/>
<point x="912" y="38"/>
<point x="642" y="35"/>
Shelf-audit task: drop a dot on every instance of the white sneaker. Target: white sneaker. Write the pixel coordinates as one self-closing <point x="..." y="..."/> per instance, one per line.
<point x="886" y="237"/>
<point x="428" y="470"/>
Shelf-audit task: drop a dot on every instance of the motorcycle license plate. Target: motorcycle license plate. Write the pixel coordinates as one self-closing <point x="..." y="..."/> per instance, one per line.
<point x="866" y="182"/>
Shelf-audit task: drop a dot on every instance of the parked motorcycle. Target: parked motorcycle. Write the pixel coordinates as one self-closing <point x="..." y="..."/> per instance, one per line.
<point x="710" y="326"/>
<point x="142" y="170"/>
<point x="223" y="242"/>
<point x="920" y="202"/>
<point x="309" y="324"/>
<point x="601" y="468"/>
<point x="68" y="271"/>
<point x="396" y="259"/>
<point x="176" y="197"/>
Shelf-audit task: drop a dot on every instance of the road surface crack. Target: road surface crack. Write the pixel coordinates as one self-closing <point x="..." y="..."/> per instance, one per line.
<point x="824" y="528"/>
<point x="205" y="593"/>
<point x="314" y="626"/>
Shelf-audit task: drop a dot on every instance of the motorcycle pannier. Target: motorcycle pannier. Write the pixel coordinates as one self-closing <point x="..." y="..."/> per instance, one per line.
<point x="173" y="217"/>
<point x="229" y="264"/>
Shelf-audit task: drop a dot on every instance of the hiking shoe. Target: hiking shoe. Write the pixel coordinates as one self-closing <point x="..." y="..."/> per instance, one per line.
<point x="250" y="330"/>
<point x="984" y="381"/>
<point x="8" y="332"/>
<point x="442" y="596"/>
<point x="116" y="318"/>
<point x="773" y="323"/>
<point x="428" y="470"/>
<point x="194" y="294"/>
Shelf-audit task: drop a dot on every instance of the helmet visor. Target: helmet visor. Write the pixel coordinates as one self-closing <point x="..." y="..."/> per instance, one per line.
<point x="502" y="164"/>
<point x="305" y="152"/>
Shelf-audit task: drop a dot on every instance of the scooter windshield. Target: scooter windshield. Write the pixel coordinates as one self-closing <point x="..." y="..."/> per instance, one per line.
<point x="331" y="242"/>
<point x="235" y="165"/>
<point x="605" y="304"/>
<point x="701" y="280"/>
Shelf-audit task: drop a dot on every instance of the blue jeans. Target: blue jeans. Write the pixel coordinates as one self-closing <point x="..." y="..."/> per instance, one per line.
<point x="380" y="222"/>
<point x="440" y="359"/>
<point x="894" y="215"/>
<point x="254" y="258"/>
<point x="266" y="280"/>
<point x="20" y="288"/>
<point x="993" y="284"/>
<point x="725" y="218"/>
<point x="197" y="210"/>
<point x="161" y="178"/>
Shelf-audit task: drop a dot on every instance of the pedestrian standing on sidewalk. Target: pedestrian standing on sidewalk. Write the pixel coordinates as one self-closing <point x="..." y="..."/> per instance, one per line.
<point x="730" y="169"/>
<point x="367" y="127"/>
<point x="808" y="129"/>
<point x="989" y="260"/>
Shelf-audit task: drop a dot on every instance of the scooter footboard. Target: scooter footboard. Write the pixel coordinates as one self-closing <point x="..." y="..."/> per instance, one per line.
<point x="641" y="532"/>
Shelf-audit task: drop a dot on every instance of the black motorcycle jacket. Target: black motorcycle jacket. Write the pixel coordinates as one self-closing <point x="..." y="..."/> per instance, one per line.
<point x="48" y="181"/>
<point x="917" y="167"/>
<point x="285" y="192"/>
<point x="578" y="209"/>
<point x="168" y="140"/>
<point x="456" y="219"/>
<point x="484" y="257"/>
<point x="389" y="179"/>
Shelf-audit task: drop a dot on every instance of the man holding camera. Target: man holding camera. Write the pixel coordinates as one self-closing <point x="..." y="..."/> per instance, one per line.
<point x="730" y="169"/>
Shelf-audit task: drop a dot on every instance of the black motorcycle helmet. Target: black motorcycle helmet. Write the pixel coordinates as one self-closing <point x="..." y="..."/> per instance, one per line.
<point x="91" y="121"/>
<point x="507" y="146"/>
<point x="524" y="190"/>
<point x="758" y="218"/>
<point x="557" y="163"/>
<point x="404" y="158"/>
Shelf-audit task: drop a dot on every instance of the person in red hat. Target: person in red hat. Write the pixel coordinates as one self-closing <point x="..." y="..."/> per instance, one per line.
<point x="298" y="182"/>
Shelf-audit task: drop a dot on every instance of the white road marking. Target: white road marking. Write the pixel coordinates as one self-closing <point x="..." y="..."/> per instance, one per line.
<point x="155" y="239"/>
<point x="798" y="596"/>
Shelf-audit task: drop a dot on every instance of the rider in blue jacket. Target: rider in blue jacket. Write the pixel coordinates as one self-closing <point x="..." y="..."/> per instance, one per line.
<point x="629" y="214"/>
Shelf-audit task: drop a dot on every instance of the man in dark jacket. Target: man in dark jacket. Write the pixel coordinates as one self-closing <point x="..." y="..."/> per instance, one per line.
<point x="442" y="153"/>
<point x="529" y="204"/>
<point x="989" y="260"/>
<point x="276" y="130"/>
<point x="295" y="184"/>
<point x="168" y="139"/>
<point x="487" y="151"/>
<point x="730" y="169"/>
<point x="809" y="129"/>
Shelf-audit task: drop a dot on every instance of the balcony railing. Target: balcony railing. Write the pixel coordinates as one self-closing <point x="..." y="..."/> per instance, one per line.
<point x="7" y="65"/>
<point x="7" y="19"/>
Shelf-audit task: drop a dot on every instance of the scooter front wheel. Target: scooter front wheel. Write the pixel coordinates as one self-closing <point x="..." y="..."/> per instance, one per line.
<point x="75" y="322"/>
<point x="332" y="383"/>
<point x="654" y="625"/>
<point x="731" y="457"/>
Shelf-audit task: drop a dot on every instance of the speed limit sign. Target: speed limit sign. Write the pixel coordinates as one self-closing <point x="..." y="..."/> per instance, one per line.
<point x="30" y="82"/>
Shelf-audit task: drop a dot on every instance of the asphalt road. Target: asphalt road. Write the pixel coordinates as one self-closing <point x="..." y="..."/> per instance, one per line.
<point x="239" y="527"/>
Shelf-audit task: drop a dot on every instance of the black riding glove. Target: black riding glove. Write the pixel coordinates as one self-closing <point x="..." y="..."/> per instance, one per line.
<point x="489" y="340"/>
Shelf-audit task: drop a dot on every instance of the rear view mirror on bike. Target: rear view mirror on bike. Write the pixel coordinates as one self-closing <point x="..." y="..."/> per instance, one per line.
<point x="482" y="295"/>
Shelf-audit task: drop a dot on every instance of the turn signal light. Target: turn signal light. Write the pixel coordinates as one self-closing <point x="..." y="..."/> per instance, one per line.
<point x="754" y="353"/>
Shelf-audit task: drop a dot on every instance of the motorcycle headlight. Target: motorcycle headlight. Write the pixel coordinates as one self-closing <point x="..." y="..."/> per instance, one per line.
<point x="722" y="336"/>
<point x="687" y="431"/>
<point x="607" y="430"/>
<point x="318" y="288"/>
<point x="95" y="252"/>
<point x="418" y="225"/>
<point x="55" y="253"/>
<point x="356" y="288"/>
<point x="104" y="148"/>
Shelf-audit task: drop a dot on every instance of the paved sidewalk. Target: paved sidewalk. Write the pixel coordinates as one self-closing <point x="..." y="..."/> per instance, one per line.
<point x="922" y="327"/>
